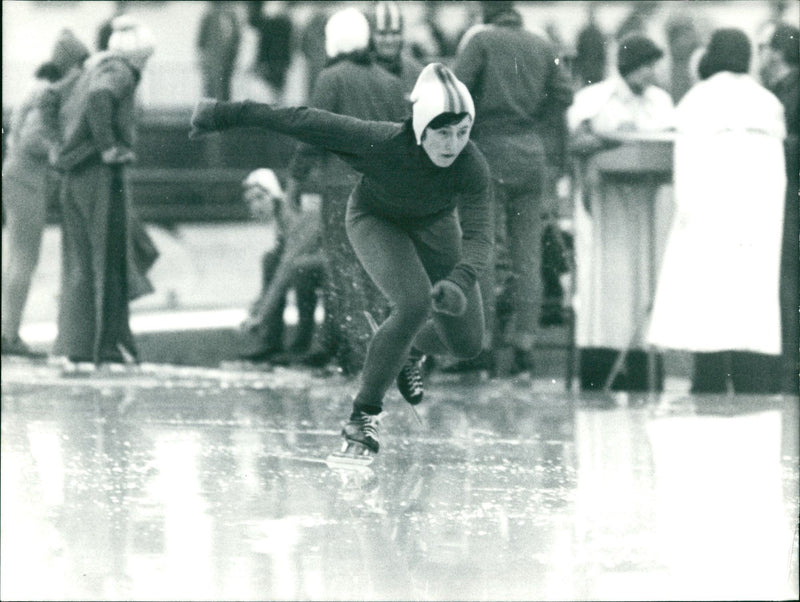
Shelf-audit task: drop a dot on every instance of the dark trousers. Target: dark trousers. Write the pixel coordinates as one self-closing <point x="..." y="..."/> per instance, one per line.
<point x="596" y="364"/>
<point x="747" y="372"/>
<point x="404" y="259"/>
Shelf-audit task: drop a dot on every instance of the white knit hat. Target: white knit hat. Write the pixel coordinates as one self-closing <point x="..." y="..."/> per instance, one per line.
<point x="346" y="31"/>
<point x="438" y="91"/>
<point x="131" y="39"/>
<point x="265" y="179"/>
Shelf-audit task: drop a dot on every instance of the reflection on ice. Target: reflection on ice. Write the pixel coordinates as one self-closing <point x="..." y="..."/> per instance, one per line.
<point x="119" y="491"/>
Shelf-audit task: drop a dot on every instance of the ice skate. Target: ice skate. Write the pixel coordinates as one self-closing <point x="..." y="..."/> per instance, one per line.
<point x="360" y="442"/>
<point x="409" y="381"/>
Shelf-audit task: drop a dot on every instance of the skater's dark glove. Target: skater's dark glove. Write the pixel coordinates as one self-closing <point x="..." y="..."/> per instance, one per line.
<point x="448" y="298"/>
<point x="204" y="119"/>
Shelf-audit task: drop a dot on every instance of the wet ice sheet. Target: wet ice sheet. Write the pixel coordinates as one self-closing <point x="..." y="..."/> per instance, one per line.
<point x="207" y="485"/>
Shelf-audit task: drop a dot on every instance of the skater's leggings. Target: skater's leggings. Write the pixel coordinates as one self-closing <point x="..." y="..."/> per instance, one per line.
<point x="404" y="258"/>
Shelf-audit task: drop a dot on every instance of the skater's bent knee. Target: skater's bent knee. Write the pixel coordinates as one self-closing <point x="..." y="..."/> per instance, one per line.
<point x="417" y="309"/>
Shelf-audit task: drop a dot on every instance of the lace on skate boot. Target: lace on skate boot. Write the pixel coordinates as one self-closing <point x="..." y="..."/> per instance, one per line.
<point x="363" y="429"/>
<point x="409" y="381"/>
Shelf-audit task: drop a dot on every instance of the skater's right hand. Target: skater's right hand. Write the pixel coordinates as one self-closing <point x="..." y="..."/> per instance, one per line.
<point x="448" y="298"/>
<point x="203" y="121"/>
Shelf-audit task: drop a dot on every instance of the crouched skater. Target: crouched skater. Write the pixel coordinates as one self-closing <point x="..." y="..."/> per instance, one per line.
<point x="419" y="220"/>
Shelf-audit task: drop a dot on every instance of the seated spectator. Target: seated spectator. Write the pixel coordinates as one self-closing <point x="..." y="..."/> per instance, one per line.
<point x="295" y="263"/>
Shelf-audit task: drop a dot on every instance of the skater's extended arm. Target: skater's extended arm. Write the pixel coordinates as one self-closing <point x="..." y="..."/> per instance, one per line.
<point x="336" y="133"/>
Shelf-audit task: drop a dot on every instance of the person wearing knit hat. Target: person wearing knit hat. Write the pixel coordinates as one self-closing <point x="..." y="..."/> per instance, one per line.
<point x="295" y="262"/>
<point x="351" y="83"/>
<point x="27" y="179"/>
<point x="635" y="52"/>
<point x="132" y="40"/>
<point x="68" y="52"/>
<point x="419" y="221"/>
<point x="388" y="44"/>
<point x="101" y="270"/>
<point x="617" y="220"/>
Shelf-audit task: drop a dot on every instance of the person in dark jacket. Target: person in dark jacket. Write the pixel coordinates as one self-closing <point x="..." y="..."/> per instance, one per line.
<point x="780" y="66"/>
<point x="351" y="84"/>
<point x="520" y="91"/>
<point x="218" y="45"/>
<point x="274" y="50"/>
<point x="419" y="220"/>
<point x="98" y="125"/>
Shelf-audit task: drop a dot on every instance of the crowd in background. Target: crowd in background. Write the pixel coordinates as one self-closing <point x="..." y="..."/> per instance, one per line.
<point x="728" y="227"/>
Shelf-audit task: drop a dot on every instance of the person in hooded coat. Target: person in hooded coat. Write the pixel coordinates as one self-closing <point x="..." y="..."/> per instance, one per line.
<point x="718" y="290"/>
<point x="98" y="276"/>
<point x="26" y="176"/>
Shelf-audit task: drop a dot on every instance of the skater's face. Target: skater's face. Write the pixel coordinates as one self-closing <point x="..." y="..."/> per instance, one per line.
<point x="261" y="203"/>
<point x="444" y="144"/>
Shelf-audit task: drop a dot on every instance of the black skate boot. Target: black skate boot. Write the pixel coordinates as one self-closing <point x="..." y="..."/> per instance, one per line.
<point x="409" y="381"/>
<point x="362" y="430"/>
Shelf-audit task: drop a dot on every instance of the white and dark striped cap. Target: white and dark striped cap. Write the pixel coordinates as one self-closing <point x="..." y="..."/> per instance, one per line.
<point x="388" y="17"/>
<point x="438" y="91"/>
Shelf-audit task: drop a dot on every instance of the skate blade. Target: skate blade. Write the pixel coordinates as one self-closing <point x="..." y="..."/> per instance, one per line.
<point x="352" y="456"/>
<point x="372" y="323"/>
<point x="416" y="414"/>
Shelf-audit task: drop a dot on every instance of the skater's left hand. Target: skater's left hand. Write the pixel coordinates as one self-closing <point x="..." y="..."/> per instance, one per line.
<point x="448" y="298"/>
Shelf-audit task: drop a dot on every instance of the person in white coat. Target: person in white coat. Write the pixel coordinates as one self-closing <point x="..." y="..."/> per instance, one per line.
<point x="718" y="290"/>
<point x="615" y="225"/>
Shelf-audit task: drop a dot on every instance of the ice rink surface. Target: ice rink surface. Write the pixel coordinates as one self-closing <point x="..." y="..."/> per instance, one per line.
<point x="185" y="483"/>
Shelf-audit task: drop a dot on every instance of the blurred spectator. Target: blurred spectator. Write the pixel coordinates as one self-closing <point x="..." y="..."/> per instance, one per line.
<point x="105" y="29"/>
<point x="683" y="39"/>
<point x="442" y="27"/>
<point x="780" y="70"/>
<point x="26" y="175"/>
<point x="515" y="103"/>
<point x="296" y="262"/>
<point x="98" y="129"/>
<point x="312" y="44"/>
<point x="351" y="84"/>
<point x="637" y="21"/>
<point x="218" y="45"/>
<point x="388" y="43"/>
<point x="274" y="50"/>
<point x="614" y="238"/>
<point x="718" y="291"/>
<point x="589" y="66"/>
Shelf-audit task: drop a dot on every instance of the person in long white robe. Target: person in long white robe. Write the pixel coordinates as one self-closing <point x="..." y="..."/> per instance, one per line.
<point x="614" y="225"/>
<point x="718" y="289"/>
